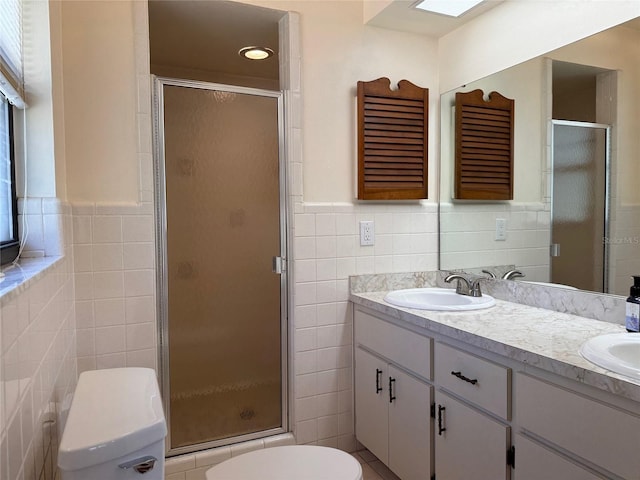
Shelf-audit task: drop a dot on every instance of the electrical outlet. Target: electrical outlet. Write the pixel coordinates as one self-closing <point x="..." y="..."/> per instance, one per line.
<point x="501" y="229"/>
<point x="366" y="233"/>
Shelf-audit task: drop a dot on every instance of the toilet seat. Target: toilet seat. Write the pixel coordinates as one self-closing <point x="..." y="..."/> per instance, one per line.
<point x="300" y="462"/>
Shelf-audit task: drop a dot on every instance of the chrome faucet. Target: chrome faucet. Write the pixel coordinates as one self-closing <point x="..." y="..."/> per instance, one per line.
<point x="511" y="274"/>
<point x="464" y="286"/>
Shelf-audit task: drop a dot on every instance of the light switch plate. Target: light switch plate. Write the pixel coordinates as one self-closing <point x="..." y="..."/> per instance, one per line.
<point x="501" y="229"/>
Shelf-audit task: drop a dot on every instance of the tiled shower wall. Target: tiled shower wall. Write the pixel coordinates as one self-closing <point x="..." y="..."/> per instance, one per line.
<point x="37" y="346"/>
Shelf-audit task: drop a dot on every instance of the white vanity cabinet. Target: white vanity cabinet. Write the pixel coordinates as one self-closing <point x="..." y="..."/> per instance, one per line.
<point x="538" y="462"/>
<point x="470" y="442"/>
<point x="392" y="402"/>
<point x="494" y="417"/>
<point x="593" y="431"/>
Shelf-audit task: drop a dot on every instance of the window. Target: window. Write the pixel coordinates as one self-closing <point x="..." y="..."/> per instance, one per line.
<point x="11" y="96"/>
<point x="9" y="244"/>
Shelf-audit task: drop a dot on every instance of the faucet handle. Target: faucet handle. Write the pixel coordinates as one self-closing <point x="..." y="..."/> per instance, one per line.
<point x="512" y="274"/>
<point x="491" y="274"/>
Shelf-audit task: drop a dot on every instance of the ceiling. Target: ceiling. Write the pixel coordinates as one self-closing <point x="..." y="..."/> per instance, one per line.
<point x="206" y="35"/>
<point x="400" y="15"/>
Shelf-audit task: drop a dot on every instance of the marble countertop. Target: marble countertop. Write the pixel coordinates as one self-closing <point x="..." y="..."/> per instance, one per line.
<point x="539" y="337"/>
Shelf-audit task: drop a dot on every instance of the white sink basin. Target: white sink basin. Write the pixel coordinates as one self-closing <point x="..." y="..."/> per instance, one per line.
<point x="618" y="352"/>
<point x="437" y="299"/>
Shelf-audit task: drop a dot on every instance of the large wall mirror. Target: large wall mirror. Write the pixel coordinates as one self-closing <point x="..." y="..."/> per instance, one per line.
<point x="575" y="216"/>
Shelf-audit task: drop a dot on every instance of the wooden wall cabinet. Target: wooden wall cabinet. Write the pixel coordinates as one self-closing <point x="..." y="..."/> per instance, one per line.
<point x="484" y="147"/>
<point x="392" y="140"/>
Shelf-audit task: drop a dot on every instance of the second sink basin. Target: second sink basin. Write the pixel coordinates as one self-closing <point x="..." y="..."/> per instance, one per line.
<point x="437" y="299"/>
<point x="618" y="352"/>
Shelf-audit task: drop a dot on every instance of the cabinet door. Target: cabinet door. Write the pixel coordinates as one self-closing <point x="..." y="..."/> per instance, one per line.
<point x="410" y="426"/>
<point x="372" y="403"/>
<point x="535" y="462"/>
<point x="470" y="444"/>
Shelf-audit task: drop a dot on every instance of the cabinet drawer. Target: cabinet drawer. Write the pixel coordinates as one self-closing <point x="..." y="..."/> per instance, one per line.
<point x="479" y="381"/>
<point x="403" y="347"/>
<point x="600" y="433"/>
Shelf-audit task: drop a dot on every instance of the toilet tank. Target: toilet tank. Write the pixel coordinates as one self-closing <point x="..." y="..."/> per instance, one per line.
<point x="115" y="428"/>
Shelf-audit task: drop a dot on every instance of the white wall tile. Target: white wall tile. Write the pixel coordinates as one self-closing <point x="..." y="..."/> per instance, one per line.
<point x="138" y="256"/>
<point x="326" y="269"/>
<point x="146" y="358"/>
<point x="140" y="336"/>
<point x="108" y="284"/>
<point x="107" y="257"/>
<point x="106" y="229"/>
<point x="139" y="309"/>
<point x="326" y="247"/>
<point x="139" y="283"/>
<point x="138" y="228"/>
<point x="305" y="339"/>
<point x="110" y="339"/>
<point x="109" y="312"/>
<point x="305" y="270"/>
<point x="111" y="360"/>
<point x="325" y="224"/>
<point x="305" y="225"/>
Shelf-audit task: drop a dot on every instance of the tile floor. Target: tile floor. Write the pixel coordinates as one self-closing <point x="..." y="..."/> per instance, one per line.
<point x="372" y="468"/>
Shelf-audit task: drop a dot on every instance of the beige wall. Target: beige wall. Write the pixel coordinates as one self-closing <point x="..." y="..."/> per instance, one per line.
<point x="516" y="31"/>
<point x="524" y="83"/>
<point x="100" y="101"/>
<point x="100" y="85"/>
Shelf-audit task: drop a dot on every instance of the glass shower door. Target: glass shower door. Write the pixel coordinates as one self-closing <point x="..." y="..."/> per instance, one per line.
<point x="223" y="357"/>
<point x="579" y="205"/>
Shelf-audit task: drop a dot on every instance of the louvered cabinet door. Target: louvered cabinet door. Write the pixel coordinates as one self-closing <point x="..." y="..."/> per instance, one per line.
<point x="392" y="140"/>
<point x="484" y="147"/>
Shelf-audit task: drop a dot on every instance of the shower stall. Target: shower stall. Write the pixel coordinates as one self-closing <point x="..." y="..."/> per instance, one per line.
<point x="580" y="205"/>
<point x="221" y="235"/>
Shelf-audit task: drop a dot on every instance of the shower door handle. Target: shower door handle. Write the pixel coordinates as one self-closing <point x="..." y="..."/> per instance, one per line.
<point x="554" y="250"/>
<point x="277" y="265"/>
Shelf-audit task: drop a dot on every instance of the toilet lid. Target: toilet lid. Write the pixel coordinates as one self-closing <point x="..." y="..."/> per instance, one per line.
<point x="300" y="462"/>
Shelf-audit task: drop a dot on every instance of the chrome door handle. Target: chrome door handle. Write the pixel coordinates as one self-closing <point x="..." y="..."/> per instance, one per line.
<point x="277" y="265"/>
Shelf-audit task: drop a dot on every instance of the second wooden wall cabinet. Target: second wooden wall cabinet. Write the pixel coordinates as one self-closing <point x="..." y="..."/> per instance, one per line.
<point x="484" y="146"/>
<point x="392" y="140"/>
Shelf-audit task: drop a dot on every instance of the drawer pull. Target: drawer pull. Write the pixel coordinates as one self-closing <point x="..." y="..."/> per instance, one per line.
<point x="378" y="387"/>
<point x="441" y="419"/>
<point x="391" y="395"/>
<point x="466" y="379"/>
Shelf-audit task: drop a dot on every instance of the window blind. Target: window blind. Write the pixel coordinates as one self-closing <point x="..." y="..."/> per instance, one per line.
<point x="11" y="67"/>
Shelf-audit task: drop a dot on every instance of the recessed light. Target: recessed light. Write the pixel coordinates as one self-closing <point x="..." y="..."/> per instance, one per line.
<point x="451" y="8"/>
<point x="255" y="53"/>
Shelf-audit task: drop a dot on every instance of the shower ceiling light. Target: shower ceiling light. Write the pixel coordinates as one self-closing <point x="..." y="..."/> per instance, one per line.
<point x="451" y="8"/>
<point x="255" y="53"/>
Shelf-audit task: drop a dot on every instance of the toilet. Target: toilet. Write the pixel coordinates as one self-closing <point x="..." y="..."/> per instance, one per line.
<point x="301" y="462"/>
<point x="116" y="429"/>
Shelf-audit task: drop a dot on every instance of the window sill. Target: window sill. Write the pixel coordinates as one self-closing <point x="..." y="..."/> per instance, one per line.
<point x="17" y="278"/>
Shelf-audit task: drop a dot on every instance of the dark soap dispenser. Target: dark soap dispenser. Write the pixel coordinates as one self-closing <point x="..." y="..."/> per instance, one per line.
<point x="633" y="306"/>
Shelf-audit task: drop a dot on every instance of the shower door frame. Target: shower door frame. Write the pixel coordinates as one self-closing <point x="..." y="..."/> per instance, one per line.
<point x="162" y="288"/>
<point x="607" y="189"/>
